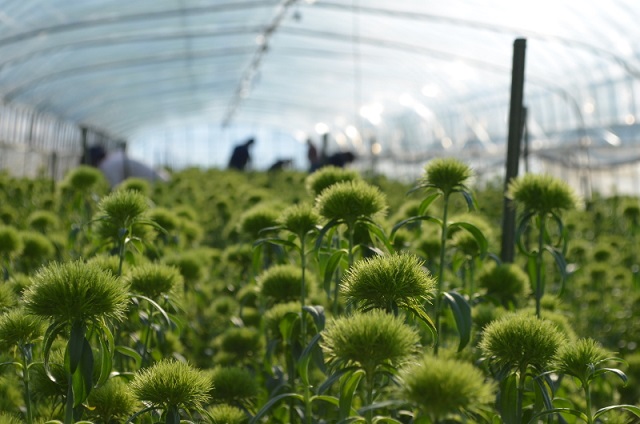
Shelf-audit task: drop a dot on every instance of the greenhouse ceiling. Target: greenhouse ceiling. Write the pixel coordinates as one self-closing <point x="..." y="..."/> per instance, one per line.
<point x="351" y="66"/>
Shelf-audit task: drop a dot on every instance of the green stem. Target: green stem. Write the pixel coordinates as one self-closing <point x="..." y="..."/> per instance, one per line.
<point x="68" y="412"/>
<point x="121" y="255"/>
<point x="520" y="396"/>
<point x="539" y="265"/>
<point x="587" y="395"/>
<point x="147" y="336"/>
<point x="369" y="413"/>
<point x="439" y="282"/>
<point x="303" y="293"/>
<point x="25" y="376"/>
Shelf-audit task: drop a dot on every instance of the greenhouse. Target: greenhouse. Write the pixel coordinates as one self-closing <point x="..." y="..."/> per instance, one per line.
<point x="319" y="211"/>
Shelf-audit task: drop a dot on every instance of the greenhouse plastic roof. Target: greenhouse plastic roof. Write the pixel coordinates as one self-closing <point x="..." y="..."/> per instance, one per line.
<point x="128" y="66"/>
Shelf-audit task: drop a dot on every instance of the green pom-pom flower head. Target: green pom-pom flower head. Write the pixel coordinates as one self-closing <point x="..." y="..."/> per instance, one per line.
<point x="259" y="217"/>
<point x="299" y="219"/>
<point x="350" y="200"/>
<point x="281" y="283"/>
<point x="388" y="283"/>
<point x="111" y="402"/>
<point x="170" y="385"/>
<point x="542" y="194"/>
<point x="10" y="242"/>
<point x="505" y="282"/>
<point x="447" y="175"/>
<point x="136" y="184"/>
<point x="438" y="387"/>
<point x="368" y="341"/>
<point x="83" y="178"/>
<point x="327" y="176"/>
<point x="517" y="341"/>
<point x="120" y="210"/>
<point x="227" y="414"/>
<point x="76" y="292"/>
<point x="155" y="280"/>
<point x="581" y="359"/>
<point x="19" y="329"/>
<point x="43" y="221"/>
<point x="234" y="386"/>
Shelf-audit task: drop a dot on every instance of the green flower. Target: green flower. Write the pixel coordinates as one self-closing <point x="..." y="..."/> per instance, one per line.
<point x="281" y="283"/>
<point x="120" y="211"/>
<point x="36" y="247"/>
<point x="170" y="384"/>
<point x="388" y="283"/>
<point x="258" y="218"/>
<point x="10" y="241"/>
<point x="447" y="175"/>
<point x="350" y="200"/>
<point x="17" y="329"/>
<point x="139" y="185"/>
<point x="234" y="386"/>
<point x="580" y="359"/>
<point x="227" y="414"/>
<point x="299" y="219"/>
<point x="43" y="221"/>
<point x="368" y="340"/>
<point x="83" y="178"/>
<point x="238" y="345"/>
<point x="155" y="280"/>
<point x="505" y="282"/>
<point x="438" y="387"/>
<point x="165" y="218"/>
<point x="517" y="341"/>
<point x="75" y="291"/>
<point x="327" y="176"/>
<point x="111" y="402"/>
<point x="542" y="193"/>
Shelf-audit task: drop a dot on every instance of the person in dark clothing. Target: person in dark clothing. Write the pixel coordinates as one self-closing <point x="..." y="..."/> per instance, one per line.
<point x="340" y="159"/>
<point x="241" y="156"/>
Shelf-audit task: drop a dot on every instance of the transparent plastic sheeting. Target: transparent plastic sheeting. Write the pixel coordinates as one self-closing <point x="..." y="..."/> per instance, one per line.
<point x="405" y="80"/>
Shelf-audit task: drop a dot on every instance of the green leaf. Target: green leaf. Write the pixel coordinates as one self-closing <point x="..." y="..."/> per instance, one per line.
<point x="386" y="420"/>
<point x="329" y="225"/>
<point x="334" y="377"/>
<point x="317" y="313"/>
<point x="75" y="345"/>
<point x="49" y="337"/>
<point x="427" y="201"/>
<point x="561" y="263"/>
<point x="521" y="230"/>
<point x="629" y="408"/>
<point x="286" y="325"/>
<point x="422" y="315"/>
<point x="619" y="373"/>
<point x="273" y="401"/>
<point x="378" y="232"/>
<point x="348" y="386"/>
<point x="332" y="265"/>
<point x="82" y="378"/>
<point x="471" y="203"/>
<point x="581" y="415"/>
<point x="131" y="353"/>
<point x="413" y="219"/>
<point x="305" y="357"/>
<point x="462" y="314"/>
<point x="483" y="244"/>
<point x="156" y="306"/>
<point x="106" y="362"/>
<point x="508" y="399"/>
<point x="173" y="416"/>
<point x="275" y="241"/>
<point x="544" y="390"/>
<point x="325" y="398"/>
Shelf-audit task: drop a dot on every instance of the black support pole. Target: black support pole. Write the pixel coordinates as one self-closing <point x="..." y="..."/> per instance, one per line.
<point x="516" y="115"/>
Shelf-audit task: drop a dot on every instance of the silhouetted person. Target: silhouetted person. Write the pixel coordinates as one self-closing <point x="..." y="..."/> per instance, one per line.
<point x="240" y="156"/>
<point x="280" y="164"/>
<point x="340" y="159"/>
<point x="117" y="167"/>
<point x="312" y="155"/>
